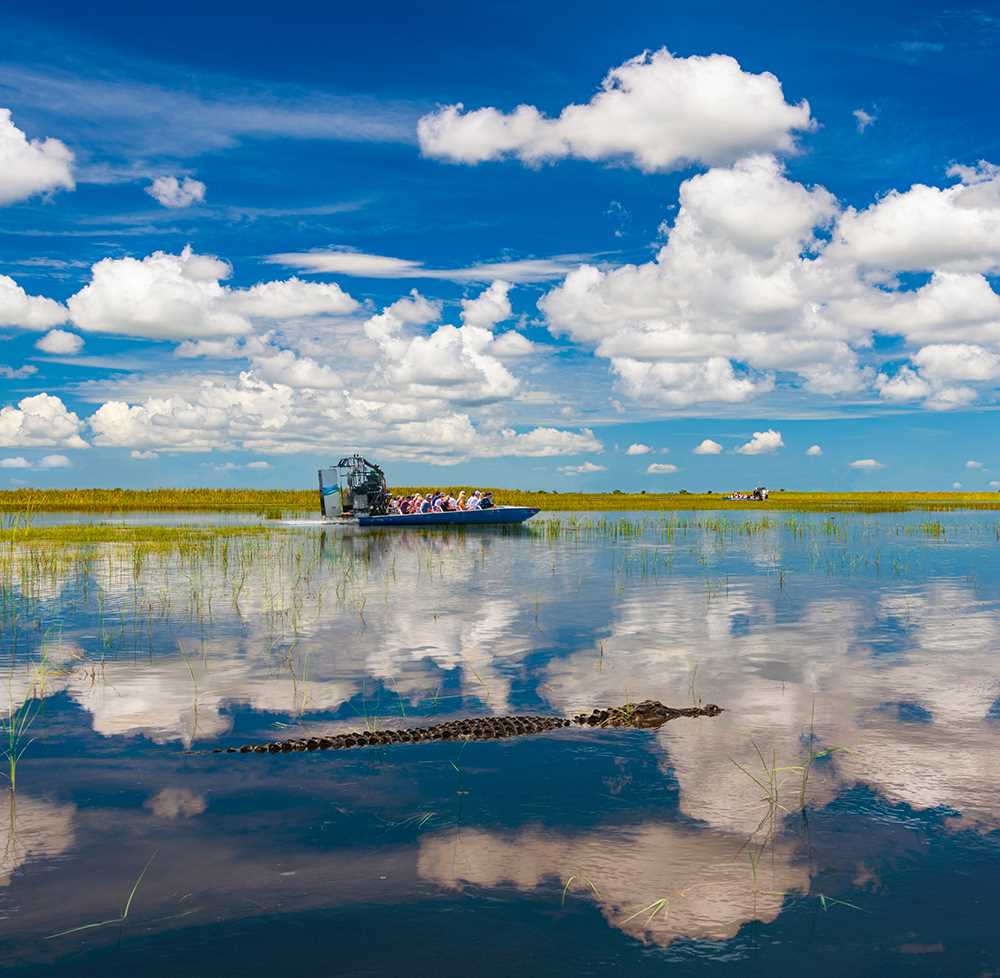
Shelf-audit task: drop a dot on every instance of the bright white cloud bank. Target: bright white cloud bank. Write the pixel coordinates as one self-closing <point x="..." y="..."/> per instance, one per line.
<point x="655" y="110"/>
<point x="31" y="166"/>
<point x="39" y="420"/>
<point x="746" y="293"/>
<point x="394" y="381"/>
<point x="401" y="385"/>
<point x="179" y="297"/>
<point x="764" y="283"/>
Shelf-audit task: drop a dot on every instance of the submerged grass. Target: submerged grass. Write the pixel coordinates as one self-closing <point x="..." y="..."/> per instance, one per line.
<point x="120" y="919"/>
<point x="272" y="503"/>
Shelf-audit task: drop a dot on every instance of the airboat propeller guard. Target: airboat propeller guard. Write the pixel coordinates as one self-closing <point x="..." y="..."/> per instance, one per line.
<point x="353" y="487"/>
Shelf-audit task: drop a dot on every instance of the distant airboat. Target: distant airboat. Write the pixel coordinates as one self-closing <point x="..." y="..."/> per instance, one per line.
<point x="757" y="495"/>
<point x="356" y="490"/>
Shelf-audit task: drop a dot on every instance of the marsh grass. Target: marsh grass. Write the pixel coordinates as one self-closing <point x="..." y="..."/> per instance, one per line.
<point x="861" y="502"/>
<point x="773" y="778"/>
<point x="264" y="501"/>
<point x="14" y="727"/>
<point x="771" y="781"/>
<point x="274" y="503"/>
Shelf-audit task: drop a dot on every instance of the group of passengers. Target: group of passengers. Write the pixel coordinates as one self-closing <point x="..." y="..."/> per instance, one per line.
<point x="758" y="494"/>
<point x="440" y="502"/>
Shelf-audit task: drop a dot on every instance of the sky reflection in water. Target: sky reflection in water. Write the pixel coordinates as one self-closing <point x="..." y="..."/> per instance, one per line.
<point x="867" y="643"/>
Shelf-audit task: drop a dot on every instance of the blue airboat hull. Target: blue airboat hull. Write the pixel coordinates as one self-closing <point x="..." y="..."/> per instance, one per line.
<point x="495" y="516"/>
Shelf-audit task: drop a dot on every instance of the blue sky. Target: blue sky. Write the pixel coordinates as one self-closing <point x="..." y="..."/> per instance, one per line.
<point x="234" y="245"/>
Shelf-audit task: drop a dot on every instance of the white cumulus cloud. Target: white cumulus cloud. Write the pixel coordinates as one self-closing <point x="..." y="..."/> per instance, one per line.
<point x="174" y="193"/>
<point x="39" y="420"/>
<point x="661" y="468"/>
<point x="181" y="297"/>
<point x="868" y="464"/>
<point x="973" y="464"/>
<point x="656" y="110"/>
<point x="162" y="296"/>
<point x="456" y="364"/>
<point x="904" y="385"/>
<point x="585" y="469"/>
<point x="24" y="311"/>
<point x="638" y="449"/>
<point x="512" y="346"/>
<point x="31" y="166"/>
<point x="488" y="308"/>
<point x="814" y="451"/>
<point x="957" y="361"/>
<point x="284" y="367"/>
<point x="762" y="443"/>
<point x="956" y="228"/>
<point x="60" y="342"/>
<point x="255" y="415"/>
<point x="54" y="462"/>
<point x="290" y="298"/>
<point x="729" y="285"/>
<point x="707" y="447"/>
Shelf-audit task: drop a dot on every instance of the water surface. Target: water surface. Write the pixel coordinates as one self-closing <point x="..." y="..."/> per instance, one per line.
<point x="841" y="813"/>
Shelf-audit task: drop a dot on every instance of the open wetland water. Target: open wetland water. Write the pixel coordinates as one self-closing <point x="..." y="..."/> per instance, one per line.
<point x="840" y="816"/>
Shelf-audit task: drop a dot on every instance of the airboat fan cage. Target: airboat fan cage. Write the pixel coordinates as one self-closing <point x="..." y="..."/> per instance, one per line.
<point x="354" y="486"/>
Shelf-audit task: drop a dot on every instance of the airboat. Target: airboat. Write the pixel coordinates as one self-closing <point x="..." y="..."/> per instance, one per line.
<point x="356" y="490"/>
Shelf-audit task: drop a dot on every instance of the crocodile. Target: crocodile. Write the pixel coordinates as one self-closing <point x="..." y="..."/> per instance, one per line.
<point x="648" y="714"/>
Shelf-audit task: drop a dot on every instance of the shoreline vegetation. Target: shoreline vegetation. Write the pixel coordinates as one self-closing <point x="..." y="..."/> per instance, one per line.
<point x="275" y="503"/>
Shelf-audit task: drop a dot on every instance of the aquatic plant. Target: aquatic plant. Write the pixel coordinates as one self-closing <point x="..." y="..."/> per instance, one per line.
<point x="651" y="911"/>
<point x="571" y="880"/>
<point x="121" y="918"/>
<point x="14" y="726"/>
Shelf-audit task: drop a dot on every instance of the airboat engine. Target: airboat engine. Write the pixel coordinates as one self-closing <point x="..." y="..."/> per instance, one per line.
<point x="353" y="487"/>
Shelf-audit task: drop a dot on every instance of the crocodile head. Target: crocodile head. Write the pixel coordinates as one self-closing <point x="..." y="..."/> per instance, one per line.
<point x="652" y="713"/>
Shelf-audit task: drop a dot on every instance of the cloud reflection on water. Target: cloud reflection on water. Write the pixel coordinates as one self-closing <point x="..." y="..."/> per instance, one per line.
<point x="339" y="632"/>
